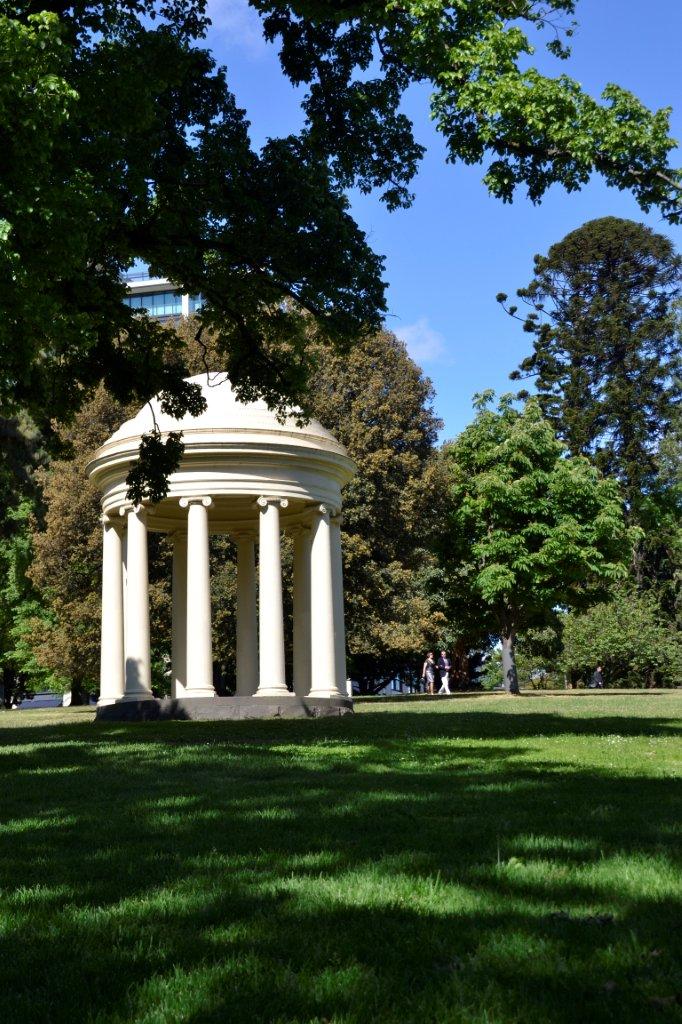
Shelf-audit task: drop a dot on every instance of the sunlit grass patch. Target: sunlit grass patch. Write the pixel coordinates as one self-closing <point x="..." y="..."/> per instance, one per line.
<point x="470" y="861"/>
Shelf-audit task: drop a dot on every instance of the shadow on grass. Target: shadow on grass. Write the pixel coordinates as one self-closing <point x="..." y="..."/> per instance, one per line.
<point x="377" y="871"/>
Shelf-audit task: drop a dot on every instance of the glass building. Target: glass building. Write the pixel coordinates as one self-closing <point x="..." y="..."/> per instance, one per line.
<point x="158" y="298"/>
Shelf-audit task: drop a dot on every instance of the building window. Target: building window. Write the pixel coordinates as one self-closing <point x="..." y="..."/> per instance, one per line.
<point x="157" y="304"/>
<point x="195" y="303"/>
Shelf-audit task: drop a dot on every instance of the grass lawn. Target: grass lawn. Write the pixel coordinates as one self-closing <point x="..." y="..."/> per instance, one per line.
<point x="493" y="860"/>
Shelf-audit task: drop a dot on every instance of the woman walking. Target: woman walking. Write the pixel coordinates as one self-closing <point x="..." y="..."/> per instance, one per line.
<point x="429" y="673"/>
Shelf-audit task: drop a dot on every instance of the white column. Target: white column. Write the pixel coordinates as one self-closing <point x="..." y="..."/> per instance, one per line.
<point x="247" y="616"/>
<point x="339" y="621"/>
<point x="138" y="656"/>
<point x="272" y="677"/>
<point x="179" y="624"/>
<point x="125" y="589"/>
<point x="322" y="649"/>
<point x="199" y="649"/>
<point x="112" y="667"/>
<point x="301" y="595"/>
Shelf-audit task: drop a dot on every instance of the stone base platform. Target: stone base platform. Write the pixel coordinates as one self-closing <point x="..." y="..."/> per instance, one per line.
<point x="215" y="709"/>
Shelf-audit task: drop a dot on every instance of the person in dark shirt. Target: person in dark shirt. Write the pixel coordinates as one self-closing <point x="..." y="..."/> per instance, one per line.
<point x="444" y="670"/>
<point x="597" y="681"/>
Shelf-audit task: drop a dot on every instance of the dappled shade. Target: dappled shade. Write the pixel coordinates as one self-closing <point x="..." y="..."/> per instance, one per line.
<point x="471" y="861"/>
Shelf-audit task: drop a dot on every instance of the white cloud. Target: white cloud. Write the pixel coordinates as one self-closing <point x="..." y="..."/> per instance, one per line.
<point x="424" y="344"/>
<point x="235" y="24"/>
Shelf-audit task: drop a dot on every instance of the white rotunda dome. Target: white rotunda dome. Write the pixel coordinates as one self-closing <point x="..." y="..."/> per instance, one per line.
<point x="235" y="452"/>
<point x="225" y="413"/>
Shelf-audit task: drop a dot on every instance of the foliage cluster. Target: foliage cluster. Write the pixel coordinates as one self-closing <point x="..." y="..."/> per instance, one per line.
<point x="122" y="141"/>
<point x="630" y="636"/>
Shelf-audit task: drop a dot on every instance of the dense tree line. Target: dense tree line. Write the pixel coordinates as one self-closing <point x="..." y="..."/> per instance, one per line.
<point x="538" y="528"/>
<point x="380" y="405"/>
<point x="122" y="141"/>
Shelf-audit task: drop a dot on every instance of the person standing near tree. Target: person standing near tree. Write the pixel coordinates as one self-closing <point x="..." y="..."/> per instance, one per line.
<point x="444" y="670"/>
<point x="429" y="673"/>
<point x="597" y="681"/>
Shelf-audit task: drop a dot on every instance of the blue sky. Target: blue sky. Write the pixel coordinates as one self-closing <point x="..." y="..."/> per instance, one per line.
<point x="456" y="248"/>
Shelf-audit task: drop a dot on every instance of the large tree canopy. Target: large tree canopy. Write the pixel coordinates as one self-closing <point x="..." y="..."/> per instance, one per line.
<point x="357" y="58"/>
<point x="529" y="528"/>
<point x="120" y="140"/>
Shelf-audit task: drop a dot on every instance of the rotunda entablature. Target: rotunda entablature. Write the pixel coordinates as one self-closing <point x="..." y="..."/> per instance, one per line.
<point x="235" y="452"/>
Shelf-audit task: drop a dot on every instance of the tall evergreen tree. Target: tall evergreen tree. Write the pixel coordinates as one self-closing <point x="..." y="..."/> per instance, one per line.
<point x="607" y="346"/>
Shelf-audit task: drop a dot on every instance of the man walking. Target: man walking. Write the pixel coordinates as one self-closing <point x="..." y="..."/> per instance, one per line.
<point x="597" y="681"/>
<point x="444" y="669"/>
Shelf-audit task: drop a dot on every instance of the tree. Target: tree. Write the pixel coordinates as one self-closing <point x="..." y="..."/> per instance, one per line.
<point x="359" y="58"/>
<point x="629" y="636"/>
<point x="607" y="346"/>
<point x="537" y="655"/>
<point x="121" y="141"/>
<point x="378" y="403"/>
<point x="66" y="568"/>
<point x="529" y="528"/>
<point x="21" y="453"/>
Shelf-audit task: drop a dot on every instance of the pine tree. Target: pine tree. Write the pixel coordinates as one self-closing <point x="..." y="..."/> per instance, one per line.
<point x="607" y="346"/>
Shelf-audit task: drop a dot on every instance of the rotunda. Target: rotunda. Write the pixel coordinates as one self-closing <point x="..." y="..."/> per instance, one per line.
<point x="251" y="475"/>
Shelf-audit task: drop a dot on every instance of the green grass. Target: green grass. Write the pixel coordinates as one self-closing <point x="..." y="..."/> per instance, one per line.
<point x="493" y="860"/>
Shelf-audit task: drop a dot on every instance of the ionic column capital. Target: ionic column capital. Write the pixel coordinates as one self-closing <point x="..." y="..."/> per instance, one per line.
<point x="107" y="520"/>
<point x="323" y="509"/>
<point x="196" y="500"/>
<point x="128" y="507"/>
<point x="265" y="500"/>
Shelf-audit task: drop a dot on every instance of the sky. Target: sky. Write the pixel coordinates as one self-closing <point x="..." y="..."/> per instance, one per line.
<point x="449" y="255"/>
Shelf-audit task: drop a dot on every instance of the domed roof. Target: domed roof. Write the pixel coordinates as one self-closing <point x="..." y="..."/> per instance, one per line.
<point x="227" y="414"/>
<point x="234" y="453"/>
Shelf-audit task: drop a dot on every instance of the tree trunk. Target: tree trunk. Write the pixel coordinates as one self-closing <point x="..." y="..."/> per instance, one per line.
<point x="510" y="677"/>
<point x="8" y="687"/>
<point x="80" y="695"/>
<point x="460" y="666"/>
